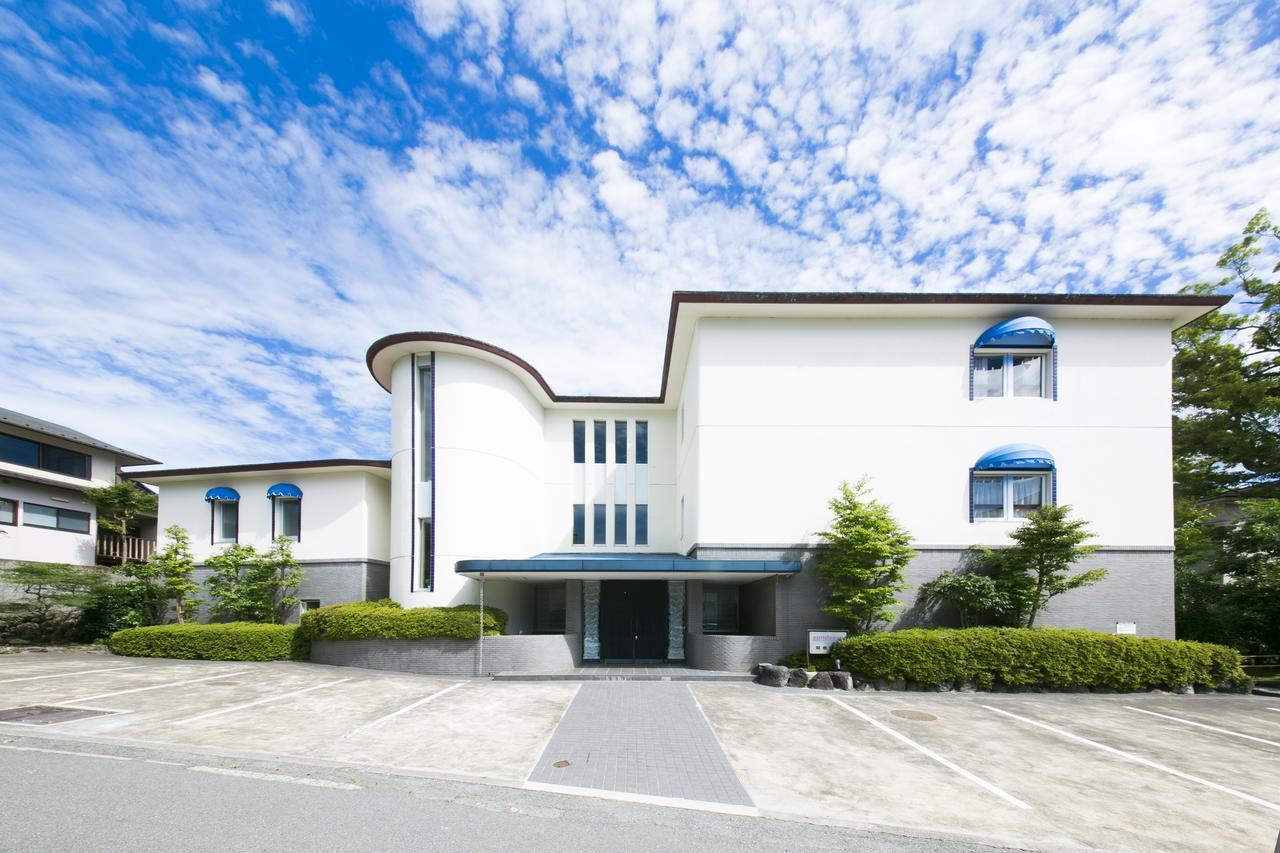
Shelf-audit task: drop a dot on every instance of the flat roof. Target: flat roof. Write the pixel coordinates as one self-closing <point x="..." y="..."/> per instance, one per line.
<point x="29" y="422"/>
<point x="300" y="465"/>
<point x="688" y="306"/>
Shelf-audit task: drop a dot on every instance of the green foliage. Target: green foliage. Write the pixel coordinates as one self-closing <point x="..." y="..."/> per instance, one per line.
<point x="119" y="504"/>
<point x="817" y="663"/>
<point x="164" y="582"/>
<point x="387" y="620"/>
<point x="865" y="553"/>
<point x="1226" y="388"/>
<point x="1036" y="568"/>
<point x="114" y="607"/>
<point x="53" y="594"/>
<point x="220" y="641"/>
<point x="254" y="587"/>
<point x="1042" y="657"/>
<point x="976" y="597"/>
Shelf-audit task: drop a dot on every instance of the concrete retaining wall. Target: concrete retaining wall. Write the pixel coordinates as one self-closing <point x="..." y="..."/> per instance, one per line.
<point x="455" y="658"/>
<point x="730" y="652"/>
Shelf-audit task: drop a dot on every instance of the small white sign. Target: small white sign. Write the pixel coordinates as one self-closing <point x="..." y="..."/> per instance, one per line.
<point x="820" y="641"/>
<point x="1126" y="627"/>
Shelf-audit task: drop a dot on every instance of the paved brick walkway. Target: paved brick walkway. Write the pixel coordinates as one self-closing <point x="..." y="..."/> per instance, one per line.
<point x="640" y="738"/>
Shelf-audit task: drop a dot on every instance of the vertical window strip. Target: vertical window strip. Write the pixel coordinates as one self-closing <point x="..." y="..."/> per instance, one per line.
<point x="971" y="478"/>
<point x="598" y="521"/>
<point x="620" y="442"/>
<point x="642" y="442"/>
<point x="971" y="367"/>
<point x="579" y="441"/>
<point x="619" y="524"/>
<point x="600" y="441"/>
<point x="579" y="524"/>
<point x="1055" y="369"/>
<point x="642" y="524"/>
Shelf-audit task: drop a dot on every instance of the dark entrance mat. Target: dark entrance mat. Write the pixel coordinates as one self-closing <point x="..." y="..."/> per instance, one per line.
<point x="46" y="715"/>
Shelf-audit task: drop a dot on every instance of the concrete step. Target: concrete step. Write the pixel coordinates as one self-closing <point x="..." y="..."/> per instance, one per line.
<point x="625" y="674"/>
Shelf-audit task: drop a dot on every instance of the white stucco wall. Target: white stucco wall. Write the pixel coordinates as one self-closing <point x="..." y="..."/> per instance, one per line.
<point x="343" y="511"/>
<point x="21" y="543"/>
<point x="789" y="408"/>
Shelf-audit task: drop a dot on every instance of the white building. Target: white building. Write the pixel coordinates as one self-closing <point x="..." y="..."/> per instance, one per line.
<point x="681" y="526"/>
<point x="335" y="511"/>
<point x="44" y="516"/>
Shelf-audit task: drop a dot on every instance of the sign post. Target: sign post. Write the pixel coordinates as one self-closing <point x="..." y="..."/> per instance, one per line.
<point x="820" y="642"/>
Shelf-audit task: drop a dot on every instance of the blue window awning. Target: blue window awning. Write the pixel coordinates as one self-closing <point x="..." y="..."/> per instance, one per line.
<point x="1016" y="457"/>
<point x="222" y="493"/>
<point x="1018" y="332"/>
<point x="284" y="490"/>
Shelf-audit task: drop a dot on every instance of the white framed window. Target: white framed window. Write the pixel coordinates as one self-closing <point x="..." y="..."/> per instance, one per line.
<point x="8" y="511"/>
<point x="308" y="604"/>
<point x="226" y="521"/>
<point x="287" y="520"/>
<point x="55" y="518"/>
<point x="1007" y="496"/>
<point x="1014" y="373"/>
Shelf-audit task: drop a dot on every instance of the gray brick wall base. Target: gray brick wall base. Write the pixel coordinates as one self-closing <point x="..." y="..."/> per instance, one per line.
<point x="329" y="582"/>
<point x="544" y="653"/>
<point x="730" y="653"/>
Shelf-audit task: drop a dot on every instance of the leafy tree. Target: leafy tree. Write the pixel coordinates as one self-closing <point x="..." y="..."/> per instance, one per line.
<point x="172" y="567"/>
<point x="865" y="554"/>
<point x="53" y="593"/>
<point x="277" y="576"/>
<point x="976" y="597"/>
<point x="248" y="586"/>
<point x="1036" y="568"/>
<point x="1226" y="387"/>
<point x="231" y="589"/>
<point x="119" y="504"/>
<point x="1250" y="572"/>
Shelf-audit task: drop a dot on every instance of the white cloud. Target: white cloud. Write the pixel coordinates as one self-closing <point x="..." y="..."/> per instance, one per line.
<point x="224" y="91"/>
<point x="623" y="124"/>
<point x="294" y="12"/>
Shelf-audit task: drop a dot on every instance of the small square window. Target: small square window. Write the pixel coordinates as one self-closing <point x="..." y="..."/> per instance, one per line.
<point x="1011" y="374"/>
<point x="8" y="511"/>
<point x="1008" y="496"/>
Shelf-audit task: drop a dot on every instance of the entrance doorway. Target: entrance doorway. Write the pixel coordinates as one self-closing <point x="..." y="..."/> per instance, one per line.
<point x="633" y="621"/>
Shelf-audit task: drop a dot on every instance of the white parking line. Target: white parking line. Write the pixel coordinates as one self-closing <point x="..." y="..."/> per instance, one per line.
<point x="67" y="752"/>
<point x="647" y="799"/>
<point x="69" y="674"/>
<point x="153" y="687"/>
<point x="277" y="777"/>
<point x="1203" y="726"/>
<point x="405" y="709"/>
<point x="235" y="708"/>
<point x="1277" y="710"/>
<point x="1138" y="759"/>
<point x="981" y="783"/>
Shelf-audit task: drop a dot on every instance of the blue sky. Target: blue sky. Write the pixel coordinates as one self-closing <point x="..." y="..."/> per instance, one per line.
<point x="209" y="210"/>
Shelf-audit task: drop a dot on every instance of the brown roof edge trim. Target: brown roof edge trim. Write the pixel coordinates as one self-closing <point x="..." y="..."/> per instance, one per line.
<point x="258" y="466"/>
<point x="728" y="297"/>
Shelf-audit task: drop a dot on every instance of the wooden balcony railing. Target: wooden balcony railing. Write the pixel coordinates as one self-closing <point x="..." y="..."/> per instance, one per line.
<point x="114" y="548"/>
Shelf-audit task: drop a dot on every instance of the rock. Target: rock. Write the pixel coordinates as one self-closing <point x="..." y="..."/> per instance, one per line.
<point x="1185" y="690"/>
<point x="1103" y="690"/>
<point x="966" y="687"/>
<point x="841" y="680"/>
<point x="771" y="676"/>
<point x="798" y="677"/>
<point x="945" y="687"/>
<point x="915" y="687"/>
<point x="821" y="681"/>
<point x="1157" y="691"/>
<point x="864" y="687"/>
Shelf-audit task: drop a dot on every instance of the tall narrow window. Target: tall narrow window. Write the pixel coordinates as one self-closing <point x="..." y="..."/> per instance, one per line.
<point x="428" y="557"/>
<point x="620" y="442"/>
<point x="288" y="519"/>
<point x="579" y="524"/>
<point x="598" y="437"/>
<point x="642" y="442"/>
<point x="619" y="524"/>
<point x="8" y="511"/>
<point x="226" y="521"/>
<point x="598" y="525"/>
<point x="682" y="518"/>
<point x="642" y="524"/>
<point x="427" y="394"/>
<point x="579" y="441"/>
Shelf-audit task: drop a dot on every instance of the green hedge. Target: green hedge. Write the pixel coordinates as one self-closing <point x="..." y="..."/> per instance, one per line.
<point x="219" y="641"/>
<point x="365" y="620"/>
<point x="1040" y="657"/>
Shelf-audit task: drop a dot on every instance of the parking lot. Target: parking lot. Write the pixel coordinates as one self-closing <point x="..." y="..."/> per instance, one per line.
<point x="1040" y="771"/>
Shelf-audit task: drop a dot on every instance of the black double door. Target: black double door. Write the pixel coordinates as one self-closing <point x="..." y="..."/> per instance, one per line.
<point x="633" y="620"/>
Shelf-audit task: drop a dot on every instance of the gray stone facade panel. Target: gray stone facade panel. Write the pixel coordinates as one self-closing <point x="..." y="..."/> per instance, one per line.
<point x="455" y="658"/>
<point x="326" y="582"/>
<point x="731" y="652"/>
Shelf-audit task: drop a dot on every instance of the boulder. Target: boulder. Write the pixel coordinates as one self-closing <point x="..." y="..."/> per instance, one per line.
<point x="798" y="677"/>
<point x="771" y="676"/>
<point x="821" y="681"/>
<point x="1185" y="690"/>
<point x="966" y="687"/>
<point x="841" y="680"/>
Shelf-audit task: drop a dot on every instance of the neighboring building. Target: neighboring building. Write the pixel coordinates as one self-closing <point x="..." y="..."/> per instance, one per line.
<point x="682" y="526"/>
<point x="334" y="510"/>
<point x="44" y="517"/>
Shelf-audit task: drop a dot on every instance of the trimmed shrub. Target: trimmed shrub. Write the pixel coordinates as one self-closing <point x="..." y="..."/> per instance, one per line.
<point x="364" y="620"/>
<point x="1041" y="657"/>
<point x="218" y="641"/>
